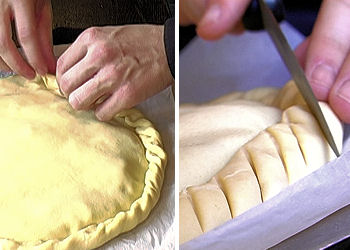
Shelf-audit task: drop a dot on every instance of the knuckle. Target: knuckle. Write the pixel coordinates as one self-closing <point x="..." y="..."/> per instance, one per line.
<point x="101" y="51"/>
<point x="112" y="76"/>
<point x="91" y="34"/>
<point x="113" y="72"/>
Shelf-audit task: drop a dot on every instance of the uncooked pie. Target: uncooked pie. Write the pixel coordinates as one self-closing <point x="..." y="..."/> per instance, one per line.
<point x="69" y="181"/>
<point x="244" y="148"/>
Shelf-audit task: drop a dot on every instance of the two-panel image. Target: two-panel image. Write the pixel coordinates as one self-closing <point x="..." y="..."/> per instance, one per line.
<point x="166" y="124"/>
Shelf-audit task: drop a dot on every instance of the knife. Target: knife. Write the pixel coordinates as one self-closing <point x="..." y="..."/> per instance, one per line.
<point x="270" y="24"/>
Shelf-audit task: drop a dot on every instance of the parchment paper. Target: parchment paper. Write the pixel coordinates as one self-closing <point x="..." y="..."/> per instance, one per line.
<point x="157" y="231"/>
<point x="246" y="62"/>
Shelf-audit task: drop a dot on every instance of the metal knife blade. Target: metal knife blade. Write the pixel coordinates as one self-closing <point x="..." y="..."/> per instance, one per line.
<point x="296" y="71"/>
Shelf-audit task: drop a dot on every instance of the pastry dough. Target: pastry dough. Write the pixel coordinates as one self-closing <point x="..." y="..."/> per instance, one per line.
<point x="287" y="145"/>
<point x="67" y="180"/>
<point x="213" y="142"/>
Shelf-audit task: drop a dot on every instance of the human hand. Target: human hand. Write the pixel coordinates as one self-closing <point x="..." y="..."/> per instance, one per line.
<point x="214" y="18"/>
<point x="114" y="68"/>
<point x="326" y="59"/>
<point x="33" y="20"/>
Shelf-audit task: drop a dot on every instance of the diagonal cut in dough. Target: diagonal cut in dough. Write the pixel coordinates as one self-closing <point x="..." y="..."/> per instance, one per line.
<point x="286" y="148"/>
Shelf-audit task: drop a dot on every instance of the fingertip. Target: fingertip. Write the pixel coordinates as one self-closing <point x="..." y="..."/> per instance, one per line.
<point x="100" y="116"/>
<point x="73" y="101"/>
<point x="42" y="70"/>
<point x="28" y="74"/>
<point x="208" y="35"/>
<point x="321" y="92"/>
<point x="340" y="104"/>
<point x="221" y="17"/>
<point x="214" y="23"/>
<point x="51" y="63"/>
<point x="322" y="77"/>
<point x="301" y="51"/>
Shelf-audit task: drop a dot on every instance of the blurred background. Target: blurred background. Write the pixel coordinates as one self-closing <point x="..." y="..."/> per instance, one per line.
<point x="301" y="14"/>
<point x="70" y="18"/>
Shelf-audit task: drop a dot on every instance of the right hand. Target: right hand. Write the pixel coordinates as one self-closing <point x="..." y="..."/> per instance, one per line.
<point x="213" y="18"/>
<point x="33" y="20"/>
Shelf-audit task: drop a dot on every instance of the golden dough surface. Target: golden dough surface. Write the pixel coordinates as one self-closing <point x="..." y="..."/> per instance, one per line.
<point x="67" y="179"/>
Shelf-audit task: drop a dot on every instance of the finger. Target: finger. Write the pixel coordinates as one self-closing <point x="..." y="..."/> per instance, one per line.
<point x="191" y="11"/>
<point x="9" y="52"/>
<point x="328" y="46"/>
<point x="87" y="95"/>
<point x="4" y="67"/>
<point x="77" y="50"/>
<point x="45" y="36"/>
<point x="78" y="74"/>
<point x="339" y="97"/>
<point x="26" y="26"/>
<point x="70" y="57"/>
<point x="219" y="18"/>
<point x="301" y="50"/>
<point x="121" y="99"/>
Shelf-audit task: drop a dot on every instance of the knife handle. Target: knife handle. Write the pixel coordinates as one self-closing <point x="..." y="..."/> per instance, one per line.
<point x="252" y="19"/>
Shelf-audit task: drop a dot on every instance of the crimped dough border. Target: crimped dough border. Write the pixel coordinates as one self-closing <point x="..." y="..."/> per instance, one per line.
<point x="95" y="235"/>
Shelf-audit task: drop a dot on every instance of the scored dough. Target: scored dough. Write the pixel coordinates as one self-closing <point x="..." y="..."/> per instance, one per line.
<point x="268" y="157"/>
<point x="69" y="181"/>
<point x="213" y="142"/>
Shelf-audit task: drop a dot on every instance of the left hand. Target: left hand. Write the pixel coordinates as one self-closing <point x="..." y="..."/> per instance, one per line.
<point x="114" y="68"/>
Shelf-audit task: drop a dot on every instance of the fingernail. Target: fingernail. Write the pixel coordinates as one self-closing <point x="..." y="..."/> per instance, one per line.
<point x="344" y="91"/>
<point x="99" y="116"/>
<point x="323" y="76"/>
<point x="73" y="101"/>
<point x="213" y="14"/>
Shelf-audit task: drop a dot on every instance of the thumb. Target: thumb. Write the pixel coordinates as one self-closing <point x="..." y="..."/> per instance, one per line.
<point x="300" y="52"/>
<point x="219" y="18"/>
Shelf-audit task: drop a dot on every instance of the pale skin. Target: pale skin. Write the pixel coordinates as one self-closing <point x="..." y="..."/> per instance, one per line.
<point x="113" y="68"/>
<point x="33" y="20"/>
<point x="107" y="69"/>
<point x="324" y="55"/>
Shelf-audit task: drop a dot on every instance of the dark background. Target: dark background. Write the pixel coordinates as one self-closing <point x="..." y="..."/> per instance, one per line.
<point x="301" y="14"/>
<point x="71" y="17"/>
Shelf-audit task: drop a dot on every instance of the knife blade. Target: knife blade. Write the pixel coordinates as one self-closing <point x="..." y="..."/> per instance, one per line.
<point x="287" y="55"/>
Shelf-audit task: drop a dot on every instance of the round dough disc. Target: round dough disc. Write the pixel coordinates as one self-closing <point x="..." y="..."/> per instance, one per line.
<point x="68" y="180"/>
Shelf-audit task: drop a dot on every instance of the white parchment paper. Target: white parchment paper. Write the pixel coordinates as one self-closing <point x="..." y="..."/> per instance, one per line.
<point x="209" y="70"/>
<point x="157" y="231"/>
